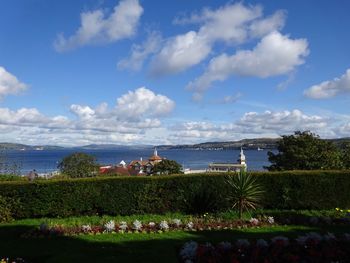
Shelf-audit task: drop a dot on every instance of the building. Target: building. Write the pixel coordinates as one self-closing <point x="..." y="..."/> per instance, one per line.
<point x="145" y="167"/>
<point x="135" y="167"/>
<point x="229" y="167"/>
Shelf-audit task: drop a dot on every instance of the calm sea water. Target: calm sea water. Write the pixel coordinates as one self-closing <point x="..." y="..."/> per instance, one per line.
<point x="46" y="161"/>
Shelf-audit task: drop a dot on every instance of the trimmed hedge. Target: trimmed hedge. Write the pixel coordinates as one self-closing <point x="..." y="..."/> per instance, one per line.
<point x="161" y="194"/>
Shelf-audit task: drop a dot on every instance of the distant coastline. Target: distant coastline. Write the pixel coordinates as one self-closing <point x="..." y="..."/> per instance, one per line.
<point x="249" y="144"/>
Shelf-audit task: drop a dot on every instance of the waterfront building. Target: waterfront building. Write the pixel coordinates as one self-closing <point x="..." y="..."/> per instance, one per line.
<point x="135" y="167"/>
<point x="230" y="167"/>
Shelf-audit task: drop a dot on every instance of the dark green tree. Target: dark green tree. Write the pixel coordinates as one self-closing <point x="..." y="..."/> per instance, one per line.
<point x="166" y="167"/>
<point x="78" y="165"/>
<point x="304" y="151"/>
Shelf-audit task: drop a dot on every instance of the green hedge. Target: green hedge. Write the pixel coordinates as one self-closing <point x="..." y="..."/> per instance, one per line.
<point x="160" y="194"/>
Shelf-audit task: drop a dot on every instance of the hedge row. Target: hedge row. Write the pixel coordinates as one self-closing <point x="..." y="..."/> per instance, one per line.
<point x="160" y="194"/>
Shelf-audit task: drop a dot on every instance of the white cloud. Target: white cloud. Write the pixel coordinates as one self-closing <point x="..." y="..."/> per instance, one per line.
<point x="274" y="55"/>
<point x="252" y="125"/>
<point x="139" y="53"/>
<point x="262" y="27"/>
<point x="180" y="53"/>
<point x="143" y="102"/>
<point x="97" y="28"/>
<point x="134" y="113"/>
<point x="281" y="122"/>
<point x="330" y="88"/>
<point x="9" y="84"/>
<point x="231" y="24"/>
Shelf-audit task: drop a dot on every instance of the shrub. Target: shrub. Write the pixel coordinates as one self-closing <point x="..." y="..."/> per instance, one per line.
<point x="245" y="192"/>
<point x="8" y="207"/>
<point x="161" y="194"/>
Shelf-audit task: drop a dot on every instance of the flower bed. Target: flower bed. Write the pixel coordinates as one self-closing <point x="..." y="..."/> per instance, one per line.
<point x="311" y="247"/>
<point x="150" y="227"/>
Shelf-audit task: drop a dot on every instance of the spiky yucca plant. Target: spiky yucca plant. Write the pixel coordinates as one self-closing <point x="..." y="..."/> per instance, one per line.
<point x="246" y="192"/>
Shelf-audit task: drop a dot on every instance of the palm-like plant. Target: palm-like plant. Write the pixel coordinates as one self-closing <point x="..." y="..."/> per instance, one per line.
<point x="246" y="192"/>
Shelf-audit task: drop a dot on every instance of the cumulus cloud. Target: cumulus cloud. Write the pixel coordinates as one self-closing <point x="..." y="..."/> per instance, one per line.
<point x="99" y="28"/>
<point x="134" y="114"/>
<point x="139" y="53"/>
<point x="231" y="24"/>
<point x="330" y="88"/>
<point x="9" y="84"/>
<point x="141" y="102"/>
<point x="274" y="55"/>
<point x="262" y="27"/>
<point x="252" y="125"/>
<point x="281" y="122"/>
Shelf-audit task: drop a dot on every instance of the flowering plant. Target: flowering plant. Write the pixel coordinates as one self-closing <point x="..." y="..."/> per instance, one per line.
<point x="109" y="226"/>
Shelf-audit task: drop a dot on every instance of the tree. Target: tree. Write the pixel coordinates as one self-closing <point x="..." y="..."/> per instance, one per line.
<point x="166" y="167"/>
<point x="304" y="151"/>
<point x="245" y="191"/>
<point x="78" y="165"/>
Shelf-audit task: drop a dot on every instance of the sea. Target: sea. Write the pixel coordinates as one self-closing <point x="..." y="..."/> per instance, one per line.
<point x="46" y="161"/>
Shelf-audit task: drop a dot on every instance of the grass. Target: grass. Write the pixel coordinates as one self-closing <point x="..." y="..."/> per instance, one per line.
<point x="130" y="247"/>
<point x="145" y="218"/>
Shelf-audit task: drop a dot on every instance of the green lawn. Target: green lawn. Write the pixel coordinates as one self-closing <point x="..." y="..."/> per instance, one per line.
<point x="132" y="247"/>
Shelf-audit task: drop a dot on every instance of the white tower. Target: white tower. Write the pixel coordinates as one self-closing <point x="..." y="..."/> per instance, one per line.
<point x="155" y="153"/>
<point x="242" y="159"/>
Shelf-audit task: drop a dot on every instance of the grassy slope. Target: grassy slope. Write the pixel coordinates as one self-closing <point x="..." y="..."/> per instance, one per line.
<point x="135" y="247"/>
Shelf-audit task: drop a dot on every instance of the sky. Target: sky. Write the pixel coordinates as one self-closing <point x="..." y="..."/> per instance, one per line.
<point x="172" y="72"/>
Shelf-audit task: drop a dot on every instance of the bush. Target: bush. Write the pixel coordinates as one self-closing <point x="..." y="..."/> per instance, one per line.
<point x="8" y="207"/>
<point x="138" y="195"/>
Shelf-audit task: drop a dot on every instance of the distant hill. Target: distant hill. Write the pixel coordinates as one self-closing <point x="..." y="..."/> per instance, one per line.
<point x="262" y="143"/>
<point x="112" y="147"/>
<point x="24" y="147"/>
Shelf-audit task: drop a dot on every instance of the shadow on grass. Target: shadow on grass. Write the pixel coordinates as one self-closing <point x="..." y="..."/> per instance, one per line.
<point x="126" y="247"/>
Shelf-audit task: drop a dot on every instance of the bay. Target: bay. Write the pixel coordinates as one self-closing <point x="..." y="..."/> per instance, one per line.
<point x="46" y="161"/>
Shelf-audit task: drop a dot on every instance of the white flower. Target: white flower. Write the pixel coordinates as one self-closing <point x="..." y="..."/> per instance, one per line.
<point x="189" y="225"/>
<point x="285" y="240"/>
<point x="123" y="226"/>
<point x="270" y="220"/>
<point x="189" y="250"/>
<point x="242" y="243"/>
<point x="225" y="245"/>
<point x="176" y="222"/>
<point x="164" y="225"/>
<point x="86" y="228"/>
<point x="254" y="221"/>
<point x="151" y="224"/>
<point x="261" y="243"/>
<point x="137" y="225"/>
<point x="109" y="226"/>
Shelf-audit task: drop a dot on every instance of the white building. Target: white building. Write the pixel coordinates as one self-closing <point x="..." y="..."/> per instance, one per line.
<point x="230" y="167"/>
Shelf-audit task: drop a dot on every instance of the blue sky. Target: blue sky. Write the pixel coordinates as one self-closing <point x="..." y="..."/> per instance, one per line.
<point x="172" y="72"/>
